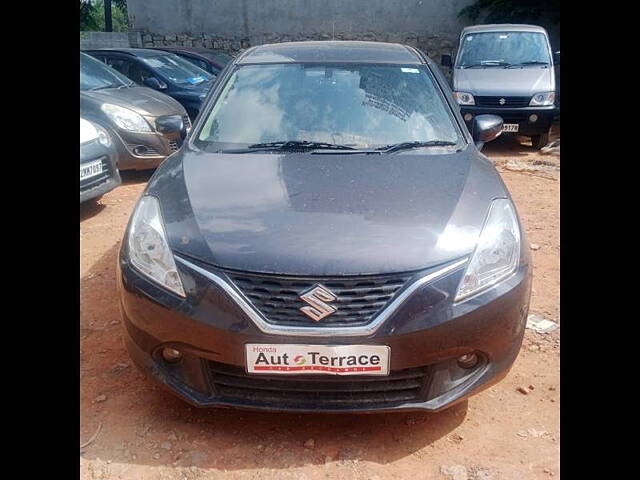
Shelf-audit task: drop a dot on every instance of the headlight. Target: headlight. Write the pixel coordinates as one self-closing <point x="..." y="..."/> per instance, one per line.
<point x="464" y="98"/>
<point x="149" y="251"/>
<point x="542" y="99"/>
<point x="125" y="118"/>
<point x="103" y="136"/>
<point x="497" y="252"/>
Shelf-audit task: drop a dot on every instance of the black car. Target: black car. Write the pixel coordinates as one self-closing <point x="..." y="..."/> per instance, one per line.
<point x="330" y="238"/>
<point x="162" y="71"/>
<point x="146" y="126"/>
<point x="98" y="154"/>
<point x="213" y="61"/>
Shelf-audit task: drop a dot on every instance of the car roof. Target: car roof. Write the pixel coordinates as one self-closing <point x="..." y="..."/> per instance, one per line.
<point x="503" y="27"/>
<point x="207" y="53"/>
<point x="330" y="51"/>
<point x="138" y="52"/>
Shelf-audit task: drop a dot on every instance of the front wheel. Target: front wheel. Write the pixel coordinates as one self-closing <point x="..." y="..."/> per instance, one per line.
<point x="539" y="141"/>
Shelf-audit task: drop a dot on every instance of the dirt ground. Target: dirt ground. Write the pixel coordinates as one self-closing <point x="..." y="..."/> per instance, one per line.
<point x="146" y="433"/>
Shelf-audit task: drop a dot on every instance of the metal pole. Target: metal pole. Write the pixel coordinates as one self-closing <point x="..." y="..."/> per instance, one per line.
<point x="107" y="16"/>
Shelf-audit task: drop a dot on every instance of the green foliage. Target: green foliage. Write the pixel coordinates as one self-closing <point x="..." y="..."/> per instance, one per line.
<point x="513" y="11"/>
<point x="92" y="15"/>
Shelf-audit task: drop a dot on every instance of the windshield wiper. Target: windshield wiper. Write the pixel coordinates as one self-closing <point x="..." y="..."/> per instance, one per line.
<point x="530" y="62"/>
<point x="409" y="145"/>
<point x="297" y="145"/>
<point x="111" y="85"/>
<point x="487" y="63"/>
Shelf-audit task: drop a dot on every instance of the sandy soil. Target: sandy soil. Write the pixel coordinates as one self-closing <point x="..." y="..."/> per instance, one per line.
<point x="149" y="434"/>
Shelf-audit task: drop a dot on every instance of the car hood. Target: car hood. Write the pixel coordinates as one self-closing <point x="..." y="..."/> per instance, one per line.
<point x="143" y="100"/>
<point x="494" y="81"/>
<point x="319" y="215"/>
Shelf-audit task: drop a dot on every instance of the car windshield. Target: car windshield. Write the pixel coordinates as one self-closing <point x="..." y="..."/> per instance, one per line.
<point x="95" y="75"/>
<point x="503" y="49"/>
<point x="177" y="69"/>
<point x="359" y="106"/>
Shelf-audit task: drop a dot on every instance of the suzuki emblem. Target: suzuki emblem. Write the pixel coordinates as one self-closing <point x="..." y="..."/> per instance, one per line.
<point x="318" y="298"/>
<point x="502" y="101"/>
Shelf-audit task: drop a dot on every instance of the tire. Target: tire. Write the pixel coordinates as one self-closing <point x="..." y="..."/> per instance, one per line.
<point x="539" y="141"/>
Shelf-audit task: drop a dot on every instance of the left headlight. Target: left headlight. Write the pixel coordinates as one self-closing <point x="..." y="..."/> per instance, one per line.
<point x="542" y="99"/>
<point x="149" y="251"/>
<point x="125" y="118"/>
<point x="497" y="252"/>
<point x="103" y="136"/>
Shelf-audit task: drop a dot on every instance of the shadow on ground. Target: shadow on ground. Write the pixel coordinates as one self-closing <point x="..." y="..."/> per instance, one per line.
<point x="141" y="419"/>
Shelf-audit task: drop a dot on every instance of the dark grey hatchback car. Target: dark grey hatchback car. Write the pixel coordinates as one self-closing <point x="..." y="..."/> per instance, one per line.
<point x="329" y="238"/>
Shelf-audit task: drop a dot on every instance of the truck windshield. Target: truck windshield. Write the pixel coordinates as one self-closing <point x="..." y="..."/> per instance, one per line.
<point x="357" y="106"/>
<point x="489" y="49"/>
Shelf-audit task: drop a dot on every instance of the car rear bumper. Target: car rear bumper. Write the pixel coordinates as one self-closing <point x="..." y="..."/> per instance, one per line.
<point x="520" y="116"/>
<point x="425" y="341"/>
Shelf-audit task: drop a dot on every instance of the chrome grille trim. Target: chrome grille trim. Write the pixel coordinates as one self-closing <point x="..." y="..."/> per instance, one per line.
<point x="289" y="330"/>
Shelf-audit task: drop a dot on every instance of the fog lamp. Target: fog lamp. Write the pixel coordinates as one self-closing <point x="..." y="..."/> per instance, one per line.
<point x="171" y="355"/>
<point x="467" y="117"/>
<point x="533" y="117"/>
<point x="468" y="360"/>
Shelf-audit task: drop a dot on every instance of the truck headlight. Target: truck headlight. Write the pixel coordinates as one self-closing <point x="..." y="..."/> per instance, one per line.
<point x="542" y="99"/>
<point x="497" y="251"/>
<point x="464" y="98"/>
<point x="126" y="119"/>
<point x="149" y="251"/>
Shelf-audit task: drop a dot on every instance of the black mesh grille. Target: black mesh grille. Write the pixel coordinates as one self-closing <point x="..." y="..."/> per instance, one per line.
<point x="234" y="385"/>
<point x="509" y="102"/>
<point x="186" y="121"/>
<point x="358" y="298"/>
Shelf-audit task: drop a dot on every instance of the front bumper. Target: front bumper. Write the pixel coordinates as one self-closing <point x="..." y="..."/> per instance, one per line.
<point x="99" y="185"/>
<point x="520" y="116"/>
<point x="155" y="147"/>
<point x="426" y="335"/>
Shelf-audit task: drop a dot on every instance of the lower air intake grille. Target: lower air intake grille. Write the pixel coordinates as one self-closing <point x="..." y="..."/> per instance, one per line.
<point x="233" y="384"/>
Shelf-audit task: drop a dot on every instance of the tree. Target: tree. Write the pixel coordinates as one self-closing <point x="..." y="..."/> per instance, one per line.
<point x="92" y="16"/>
<point x="513" y="11"/>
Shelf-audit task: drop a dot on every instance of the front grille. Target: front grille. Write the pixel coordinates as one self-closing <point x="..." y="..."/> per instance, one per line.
<point x="509" y="102"/>
<point x="186" y="121"/>
<point x="359" y="299"/>
<point x="98" y="180"/>
<point x="173" y="145"/>
<point x="235" y="385"/>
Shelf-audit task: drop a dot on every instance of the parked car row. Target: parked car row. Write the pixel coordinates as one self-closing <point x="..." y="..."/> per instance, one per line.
<point x="507" y="70"/>
<point x="142" y="101"/>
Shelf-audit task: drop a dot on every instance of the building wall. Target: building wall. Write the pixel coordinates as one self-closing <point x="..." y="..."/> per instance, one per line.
<point x="231" y="25"/>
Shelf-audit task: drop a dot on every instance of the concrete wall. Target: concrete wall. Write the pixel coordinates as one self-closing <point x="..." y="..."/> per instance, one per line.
<point x="430" y="24"/>
<point x="109" y="40"/>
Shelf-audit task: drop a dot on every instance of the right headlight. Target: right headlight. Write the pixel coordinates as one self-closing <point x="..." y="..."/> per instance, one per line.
<point x="149" y="251"/>
<point x="464" y="98"/>
<point x="497" y="251"/>
<point x="126" y="119"/>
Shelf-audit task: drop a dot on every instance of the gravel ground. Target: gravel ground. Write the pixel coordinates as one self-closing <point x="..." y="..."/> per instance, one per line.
<point x="146" y="433"/>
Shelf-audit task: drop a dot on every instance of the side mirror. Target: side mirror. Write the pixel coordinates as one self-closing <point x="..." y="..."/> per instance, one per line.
<point x="153" y="82"/>
<point x="556" y="57"/>
<point x="170" y="124"/>
<point x="486" y="128"/>
<point x="445" y="60"/>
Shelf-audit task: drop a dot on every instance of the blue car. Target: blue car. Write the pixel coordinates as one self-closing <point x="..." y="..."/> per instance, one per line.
<point x="162" y="71"/>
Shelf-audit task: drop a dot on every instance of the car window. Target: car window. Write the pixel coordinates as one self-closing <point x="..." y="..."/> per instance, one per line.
<point x="503" y="48"/>
<point x="356" y="105"/>
<point x="95" y="75"/>
<point x="177" y="70"/>
<point x="197" y="62"/>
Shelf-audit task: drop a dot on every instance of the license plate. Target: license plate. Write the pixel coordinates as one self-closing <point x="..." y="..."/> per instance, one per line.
<point x="510" y="127"/>
<point x="91" y="169"/>
<point x="287" y="359"/>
